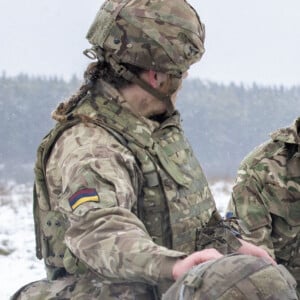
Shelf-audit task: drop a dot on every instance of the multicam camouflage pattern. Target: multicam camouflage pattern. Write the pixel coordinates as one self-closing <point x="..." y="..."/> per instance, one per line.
<point x="219" y="236"/>
<point x="150" y="34"/>
<point x="171" y="172"/>
<point x="235" y="277"/>
<point x="128" y="235"/>
<point x="266" y="197"/>
<point x="81" y="288"/>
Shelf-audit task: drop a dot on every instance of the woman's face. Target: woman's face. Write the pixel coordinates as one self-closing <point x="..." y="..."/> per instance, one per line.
<point x="149" y="105"/>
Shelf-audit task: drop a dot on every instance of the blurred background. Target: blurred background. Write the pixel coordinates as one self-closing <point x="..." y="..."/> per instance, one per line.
<point x="245" y="86"/>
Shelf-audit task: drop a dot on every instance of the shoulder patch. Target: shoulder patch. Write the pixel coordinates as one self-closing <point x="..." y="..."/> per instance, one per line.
<point x="83" y="196"/>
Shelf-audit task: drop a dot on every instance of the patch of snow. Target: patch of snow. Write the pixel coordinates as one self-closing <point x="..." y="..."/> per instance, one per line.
<point x="17" y="237"/>
<point x="221" y="191"/>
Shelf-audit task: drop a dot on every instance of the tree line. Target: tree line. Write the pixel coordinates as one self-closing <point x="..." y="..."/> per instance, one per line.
<point x="222" y="122"/>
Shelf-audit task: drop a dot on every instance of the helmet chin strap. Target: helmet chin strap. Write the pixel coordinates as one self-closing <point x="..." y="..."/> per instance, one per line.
<point x="113" y="60"/>
<point x="128" y="75"/>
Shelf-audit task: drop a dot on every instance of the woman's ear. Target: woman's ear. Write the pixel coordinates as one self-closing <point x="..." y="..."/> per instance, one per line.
<point x="155" y="79"/>
<point x="152" y="78"/>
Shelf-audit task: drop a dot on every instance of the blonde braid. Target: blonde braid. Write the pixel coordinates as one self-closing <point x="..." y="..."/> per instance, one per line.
<point x="91" y="76"/>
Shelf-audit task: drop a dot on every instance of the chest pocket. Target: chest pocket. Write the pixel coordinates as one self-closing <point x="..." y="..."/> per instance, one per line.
<point x="172" y="152"/>
<point x="283" y="202"/>
<point x="190" y="203"/>
<point x="284" y="206"/>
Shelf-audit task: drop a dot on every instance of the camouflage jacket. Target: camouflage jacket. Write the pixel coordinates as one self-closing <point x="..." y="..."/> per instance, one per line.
<point x="95" y="182"/>
<point x="266" y="196"/>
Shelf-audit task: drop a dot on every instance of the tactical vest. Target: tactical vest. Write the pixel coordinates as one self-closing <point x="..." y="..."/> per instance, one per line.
<point x="174" y="197"/>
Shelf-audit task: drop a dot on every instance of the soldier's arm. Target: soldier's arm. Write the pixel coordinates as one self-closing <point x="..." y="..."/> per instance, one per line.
<point x="247" y="203"/>
<point x="104" y="233"/>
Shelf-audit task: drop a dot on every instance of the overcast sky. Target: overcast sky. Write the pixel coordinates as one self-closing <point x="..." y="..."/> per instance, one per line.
<point x="246" y="41"/>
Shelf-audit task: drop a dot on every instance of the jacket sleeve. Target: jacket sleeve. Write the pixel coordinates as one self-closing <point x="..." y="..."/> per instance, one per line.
<point x="248" y="204"/>
<point x="104" y="233"/>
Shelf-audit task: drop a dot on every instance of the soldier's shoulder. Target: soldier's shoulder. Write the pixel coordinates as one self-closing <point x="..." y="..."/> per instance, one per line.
<point x="265" y="151"/>
<point x="276" y="145"/>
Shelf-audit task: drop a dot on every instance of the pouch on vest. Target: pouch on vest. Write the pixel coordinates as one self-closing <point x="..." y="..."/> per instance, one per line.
<point x="219" y="235"/>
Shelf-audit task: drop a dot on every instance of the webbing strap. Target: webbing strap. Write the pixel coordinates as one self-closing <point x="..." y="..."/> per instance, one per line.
<point x="121" y="70"/>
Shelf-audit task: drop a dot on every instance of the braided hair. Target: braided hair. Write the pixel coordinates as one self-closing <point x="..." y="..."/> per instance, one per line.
<point x="94" y="72"/>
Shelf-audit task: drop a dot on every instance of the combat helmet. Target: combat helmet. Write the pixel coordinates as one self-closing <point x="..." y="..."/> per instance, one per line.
<point x="162" y="35"/>
<point x="235" y="277"/>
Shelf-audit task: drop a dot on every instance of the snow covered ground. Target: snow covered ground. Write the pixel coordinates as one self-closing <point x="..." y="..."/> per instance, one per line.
<point x="18" y="264"/>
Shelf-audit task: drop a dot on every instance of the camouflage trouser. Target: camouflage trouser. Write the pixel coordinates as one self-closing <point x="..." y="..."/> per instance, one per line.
<point x="81" y="288"/>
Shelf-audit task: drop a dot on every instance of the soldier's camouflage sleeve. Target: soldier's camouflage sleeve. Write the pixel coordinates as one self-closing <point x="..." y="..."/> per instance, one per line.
<point x="91" y="179"/>
<point x="248" y="203"/>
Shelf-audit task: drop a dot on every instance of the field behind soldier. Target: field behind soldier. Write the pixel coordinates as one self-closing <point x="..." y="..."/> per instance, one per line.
<point x="19" y="265"/>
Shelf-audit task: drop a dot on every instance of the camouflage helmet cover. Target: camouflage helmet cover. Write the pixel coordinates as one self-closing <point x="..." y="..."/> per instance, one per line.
<point x="162" y="35"/>
<point x="235" y="277"/>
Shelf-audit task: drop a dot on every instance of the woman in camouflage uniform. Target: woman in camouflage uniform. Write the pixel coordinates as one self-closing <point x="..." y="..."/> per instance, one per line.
<point x="119" y="196"/>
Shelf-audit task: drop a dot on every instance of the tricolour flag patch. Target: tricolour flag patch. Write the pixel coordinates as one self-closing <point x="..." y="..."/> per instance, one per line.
<point x="83" y="196"/>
